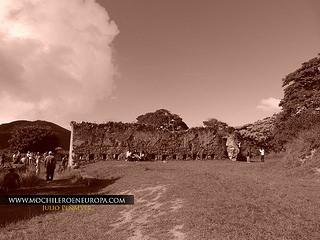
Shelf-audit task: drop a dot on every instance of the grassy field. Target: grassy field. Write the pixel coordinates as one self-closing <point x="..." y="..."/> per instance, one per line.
<point x="189" y="200"/>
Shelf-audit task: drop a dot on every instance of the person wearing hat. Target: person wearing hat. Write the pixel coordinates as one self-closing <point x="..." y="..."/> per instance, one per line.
<point x="50" y="164"/>
<point x="11" y="180"/>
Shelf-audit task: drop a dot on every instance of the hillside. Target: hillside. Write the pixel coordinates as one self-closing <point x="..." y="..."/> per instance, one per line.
<point x="62" y="134"/>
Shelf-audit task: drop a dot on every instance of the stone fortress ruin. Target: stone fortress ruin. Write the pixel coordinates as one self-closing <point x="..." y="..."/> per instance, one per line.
<point x="92" y="142"/>
<point x="110" y="141"/>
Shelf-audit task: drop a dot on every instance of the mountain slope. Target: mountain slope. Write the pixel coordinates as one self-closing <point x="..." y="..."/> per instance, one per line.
<point x="62" y="134"/>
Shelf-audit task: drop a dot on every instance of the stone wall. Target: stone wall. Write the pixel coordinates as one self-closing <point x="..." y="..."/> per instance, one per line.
<point x="110" y="141"/>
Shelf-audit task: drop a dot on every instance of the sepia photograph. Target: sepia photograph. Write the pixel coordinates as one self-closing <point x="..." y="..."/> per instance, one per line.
<point x="160" y="120"/>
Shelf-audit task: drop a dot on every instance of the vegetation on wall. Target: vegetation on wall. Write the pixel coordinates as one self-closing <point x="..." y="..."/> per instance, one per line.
<point x="259" y="133"/>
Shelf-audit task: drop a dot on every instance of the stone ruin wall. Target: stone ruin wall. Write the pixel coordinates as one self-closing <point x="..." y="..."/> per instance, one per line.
<point x="110" y="141"/>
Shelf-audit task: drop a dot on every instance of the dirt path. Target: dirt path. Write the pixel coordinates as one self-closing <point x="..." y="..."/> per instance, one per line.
<point x="150" y="206"/>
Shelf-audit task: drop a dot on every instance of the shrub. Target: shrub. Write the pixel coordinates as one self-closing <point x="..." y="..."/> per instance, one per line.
<point x="28" y="178"/>
<point x="304" y="150"/>
<point x="289" y="129"/>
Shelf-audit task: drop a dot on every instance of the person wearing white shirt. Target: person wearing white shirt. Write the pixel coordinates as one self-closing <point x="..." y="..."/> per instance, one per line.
<point x="261" y="150"/>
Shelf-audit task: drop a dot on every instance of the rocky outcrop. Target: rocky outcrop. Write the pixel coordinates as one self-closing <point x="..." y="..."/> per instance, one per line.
<point x="233" y="147"/>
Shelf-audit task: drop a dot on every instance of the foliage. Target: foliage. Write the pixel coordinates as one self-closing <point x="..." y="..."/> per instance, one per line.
<point x="163" y="119"/>
<point x="116" y="138"/>
<point x="302" y="88"/>
<point x="28" y="177"/>
<point x="260" y="133"/>
<point x="33" y="138"/>
<point x="7" y="129"/>
<point x="216" y="124"/>
<point x="289" y="128"/>
<point x="300" y="104"/>
<point x="303" y="151"/>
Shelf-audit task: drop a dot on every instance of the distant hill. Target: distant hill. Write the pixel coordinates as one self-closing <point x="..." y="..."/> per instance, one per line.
<point x="62" y="134"/>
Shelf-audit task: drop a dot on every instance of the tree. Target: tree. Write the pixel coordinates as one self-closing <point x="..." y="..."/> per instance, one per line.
<point x="260" y="133"/>
<point x="216" y="124"/>
<point x="288" y="128"/>
<point x="300" y="104"/>
<point x="33" y="138"/>
<point x="302" y="89"/>
<point x="163" y="119"/>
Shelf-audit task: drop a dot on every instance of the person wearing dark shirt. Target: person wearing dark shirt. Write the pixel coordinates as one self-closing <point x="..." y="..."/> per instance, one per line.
<point x="50" y="163"/>
<point x="248" y="155"/>
<point x="64" y="163"/>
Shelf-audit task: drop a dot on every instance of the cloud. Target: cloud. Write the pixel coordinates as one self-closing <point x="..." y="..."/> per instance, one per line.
<point x="55" y="59"/>
<point x="269" y="104"/>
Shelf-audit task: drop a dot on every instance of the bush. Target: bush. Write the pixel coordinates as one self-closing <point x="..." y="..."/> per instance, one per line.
<point x="289" y="129"/>
<point x="29" y="179"/>
<point x="259" y="133"/>
<point x="304" y="150"/>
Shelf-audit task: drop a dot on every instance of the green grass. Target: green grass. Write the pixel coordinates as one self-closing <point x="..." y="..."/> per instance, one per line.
<point x="190" y="200"/>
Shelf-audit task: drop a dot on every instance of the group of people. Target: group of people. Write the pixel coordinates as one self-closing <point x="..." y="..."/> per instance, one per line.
<point x="29" y="159"/>
<point x="135" y="156"/>
<point x="32" y="161"/>
<point x="249" y="154"/>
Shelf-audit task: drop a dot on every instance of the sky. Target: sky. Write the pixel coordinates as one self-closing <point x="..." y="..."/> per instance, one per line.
<point x="113" y="60"/>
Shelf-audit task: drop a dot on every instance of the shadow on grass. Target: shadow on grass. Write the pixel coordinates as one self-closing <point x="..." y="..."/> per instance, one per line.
<point x="71" y="186"/>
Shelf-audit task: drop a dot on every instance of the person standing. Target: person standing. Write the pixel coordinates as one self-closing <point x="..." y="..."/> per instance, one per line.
<point x="37" y="163"/>
<point x="2" y="160"/>
<point x="248" y="155"/>
<point x="128" y="155"/>
<point x="16" y="157"/>
<point x="50" y="163"/>
<point x="28" y="158"/>
<point x="262" y="152"/>
<point x="64" y="163"/>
